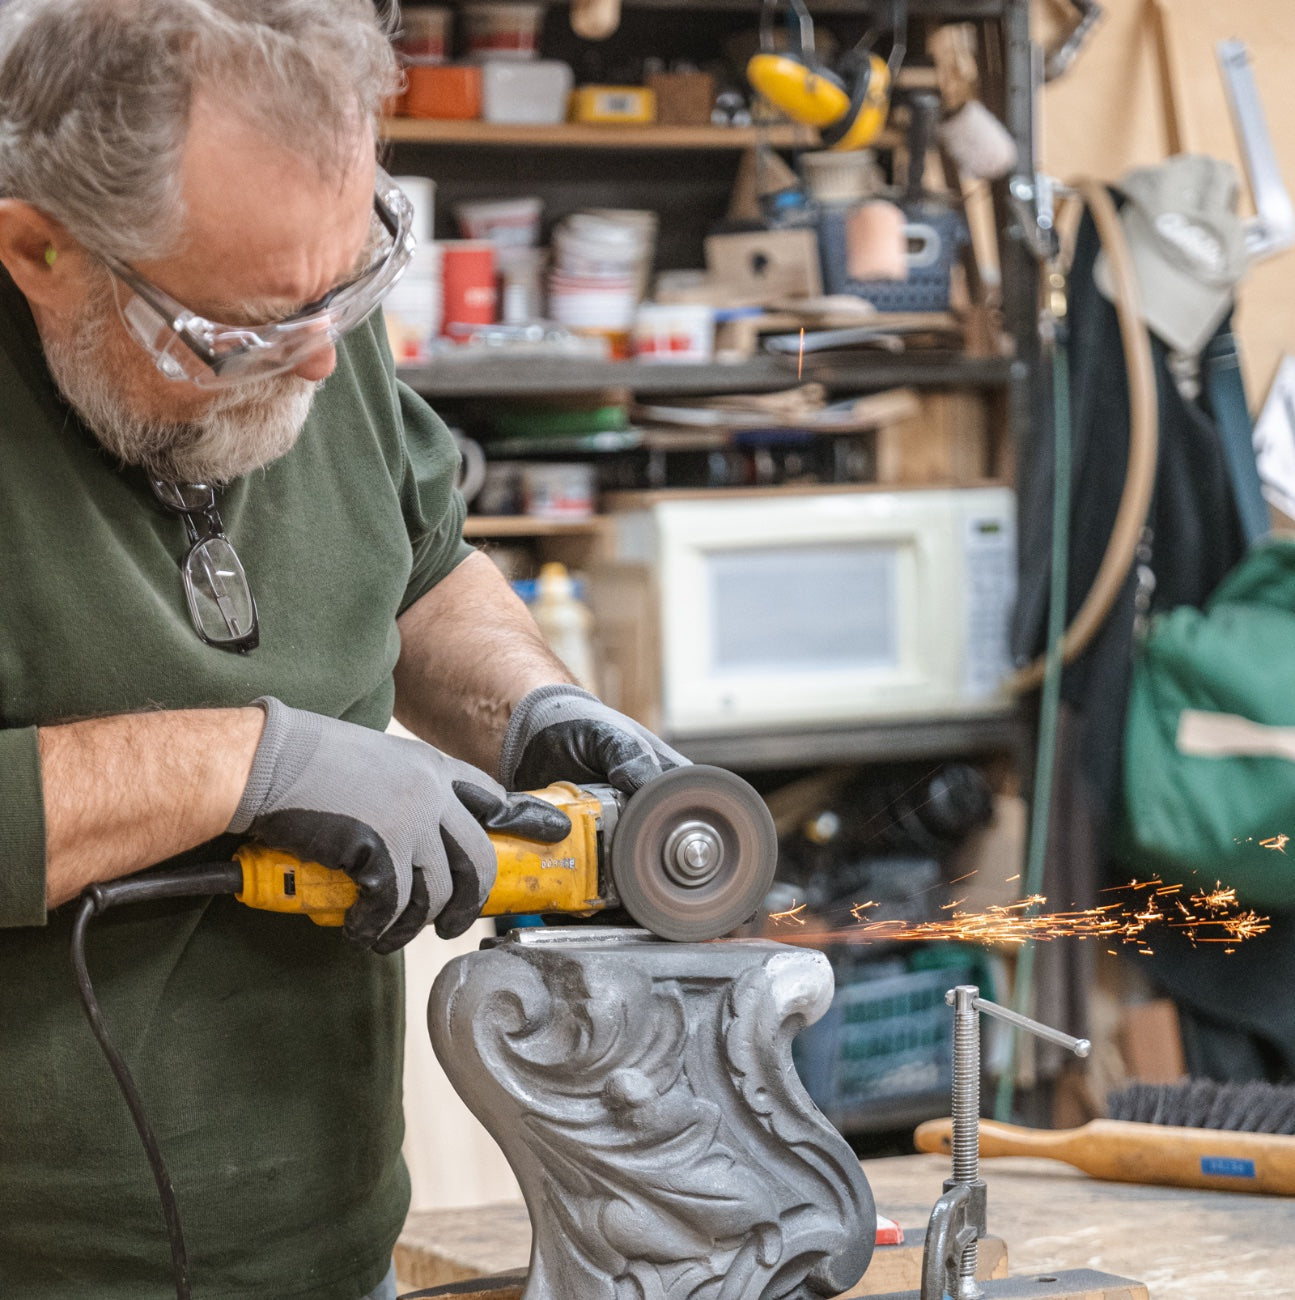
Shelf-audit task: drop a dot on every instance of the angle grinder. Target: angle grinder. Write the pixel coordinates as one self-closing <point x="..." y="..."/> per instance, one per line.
<point x="689" y="856"/>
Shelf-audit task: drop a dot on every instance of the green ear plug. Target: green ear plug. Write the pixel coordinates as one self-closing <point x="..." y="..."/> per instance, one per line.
<point x="51" y="255"/>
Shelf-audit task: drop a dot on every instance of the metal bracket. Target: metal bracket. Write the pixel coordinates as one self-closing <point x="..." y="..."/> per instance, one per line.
<point x="1033" y="201"/>
<point x="1273" y="228"/>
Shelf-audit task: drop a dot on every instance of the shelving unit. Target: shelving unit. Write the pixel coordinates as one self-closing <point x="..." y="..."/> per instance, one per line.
<point x="686" y="174"/>
<point x="572" y="135"/>
<point x="528" y="526"/>
<point x="510" y="376"/>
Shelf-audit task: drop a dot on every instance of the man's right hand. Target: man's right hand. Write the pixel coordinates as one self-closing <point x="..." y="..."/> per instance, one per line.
<point x="405" y="821"/>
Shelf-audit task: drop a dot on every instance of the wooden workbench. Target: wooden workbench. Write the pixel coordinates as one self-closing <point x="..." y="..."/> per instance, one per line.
<point x="1184" y="1245"/>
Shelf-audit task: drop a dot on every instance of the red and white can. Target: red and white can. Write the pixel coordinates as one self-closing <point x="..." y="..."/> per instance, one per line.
<point x="469" y="293"/>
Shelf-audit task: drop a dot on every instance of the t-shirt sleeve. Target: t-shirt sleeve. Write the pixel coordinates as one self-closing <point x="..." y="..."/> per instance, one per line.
<point x="22" y="829"/>
<point x="433" y="507"/>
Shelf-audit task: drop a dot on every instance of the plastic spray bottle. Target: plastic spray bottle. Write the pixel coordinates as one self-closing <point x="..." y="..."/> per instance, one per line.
<point x="565" y="622"/>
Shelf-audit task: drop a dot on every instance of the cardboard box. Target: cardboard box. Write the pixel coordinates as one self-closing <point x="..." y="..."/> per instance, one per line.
<point x="682" y="98"/>
<point x="767" y="264"/>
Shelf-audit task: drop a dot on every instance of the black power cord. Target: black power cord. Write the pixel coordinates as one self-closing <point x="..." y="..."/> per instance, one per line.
<point x="197" y="882"/>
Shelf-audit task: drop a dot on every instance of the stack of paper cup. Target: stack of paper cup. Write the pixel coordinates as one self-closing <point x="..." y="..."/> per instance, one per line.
<point x="597" y="275"/>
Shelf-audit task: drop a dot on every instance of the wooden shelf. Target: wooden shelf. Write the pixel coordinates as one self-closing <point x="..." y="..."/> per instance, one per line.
<point x="877" y="742"/>
<point x="948" y="10"/>
<point x="526" y="526"/>
<point x="422" y="130"/>
<point x="499" y="375"/>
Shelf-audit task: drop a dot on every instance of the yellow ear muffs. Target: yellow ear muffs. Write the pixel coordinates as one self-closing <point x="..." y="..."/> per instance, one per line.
<point x="867" y="110"/>
<point x="848" y="118"/>
<point x="809" y="95"/>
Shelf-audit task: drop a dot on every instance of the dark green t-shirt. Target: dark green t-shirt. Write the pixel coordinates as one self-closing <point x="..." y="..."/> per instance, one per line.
<point x="268" y="1050"/>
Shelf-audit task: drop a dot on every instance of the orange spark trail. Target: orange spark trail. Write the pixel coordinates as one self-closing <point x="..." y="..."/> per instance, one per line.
<point x="1211" y="916"/>
<point x="800" y="358"/>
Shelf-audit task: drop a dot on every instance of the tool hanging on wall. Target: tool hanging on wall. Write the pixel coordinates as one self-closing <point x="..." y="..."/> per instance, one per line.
<point x="848" y="105"/>
<point x="1058" y="59"/>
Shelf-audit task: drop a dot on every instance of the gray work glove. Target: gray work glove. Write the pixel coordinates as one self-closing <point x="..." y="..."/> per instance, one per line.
<point x="406" y="822"/>
<point x="563" y="733"/>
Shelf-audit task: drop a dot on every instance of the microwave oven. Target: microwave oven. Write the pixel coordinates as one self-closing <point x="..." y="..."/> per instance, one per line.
<point x="788" y="610"/>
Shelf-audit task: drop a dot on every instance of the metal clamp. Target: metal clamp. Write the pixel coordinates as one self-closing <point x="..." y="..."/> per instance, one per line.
<point x="957" y="1222"/>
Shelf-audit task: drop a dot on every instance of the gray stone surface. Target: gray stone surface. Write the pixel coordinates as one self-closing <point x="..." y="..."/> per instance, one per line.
<point x="645" y="1096"/>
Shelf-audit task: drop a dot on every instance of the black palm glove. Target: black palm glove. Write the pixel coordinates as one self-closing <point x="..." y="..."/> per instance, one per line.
<point x="563" y="733"/>
<point x="406" y="822"/>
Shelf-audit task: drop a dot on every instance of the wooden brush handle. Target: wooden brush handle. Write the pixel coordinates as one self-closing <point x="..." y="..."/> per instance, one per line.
<point x="1141" y="1153"/>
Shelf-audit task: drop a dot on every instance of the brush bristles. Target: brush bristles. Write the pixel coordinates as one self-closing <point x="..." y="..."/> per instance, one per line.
<point x="1205" y="1103"/>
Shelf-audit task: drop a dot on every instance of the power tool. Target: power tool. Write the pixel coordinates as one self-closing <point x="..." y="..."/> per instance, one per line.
<point x="688" y="856"/>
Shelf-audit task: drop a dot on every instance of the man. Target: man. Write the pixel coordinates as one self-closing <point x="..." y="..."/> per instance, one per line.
<point x="229" y="543"/>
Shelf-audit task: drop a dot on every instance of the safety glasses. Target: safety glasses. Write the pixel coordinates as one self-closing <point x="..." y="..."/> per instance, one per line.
<point x="220" y="601"/>
<point x="188" y="348"/>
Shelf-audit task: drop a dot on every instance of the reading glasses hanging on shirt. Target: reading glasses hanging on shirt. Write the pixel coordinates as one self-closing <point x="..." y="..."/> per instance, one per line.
<point x="188" y="348"/>
<point x="220" y="600"/>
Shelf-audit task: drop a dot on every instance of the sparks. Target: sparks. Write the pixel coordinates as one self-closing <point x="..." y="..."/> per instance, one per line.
<point x="1213" y="917"/>
<point x="800" y="358"/>
<point x="1278" y="842"/>
<point x="791" y="914"/>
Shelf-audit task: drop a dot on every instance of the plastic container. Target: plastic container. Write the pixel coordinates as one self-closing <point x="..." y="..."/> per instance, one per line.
<point x="421" y="193"/>
<point x="412" y="309"/>
<point x="520" y="275"/>
<point x="503" y="31"/>
<point x="450" y="91"/>
<point x="506" y="223"/>
<point x="557" y="490"/>
<point x="425" y="35"/>
<point x="565" y="622"/>
<point x="841" y="176"/>
<point x="674" y="332"/>
<point x="528" y="93"/>
<point x="882" y="1056"/>
<point x="933" y="241"/>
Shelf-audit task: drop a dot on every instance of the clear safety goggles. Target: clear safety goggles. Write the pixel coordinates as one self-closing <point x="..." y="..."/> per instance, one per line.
<point x="188" y="348"/>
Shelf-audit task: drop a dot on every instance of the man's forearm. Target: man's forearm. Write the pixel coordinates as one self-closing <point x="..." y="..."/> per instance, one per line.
<point x="125" y="792"/>
<point x="469" y="651"/>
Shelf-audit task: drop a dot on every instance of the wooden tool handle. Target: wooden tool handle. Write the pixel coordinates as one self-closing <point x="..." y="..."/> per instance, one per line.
<point x="1141" y="1153"/>
<point x="595" y="20"/>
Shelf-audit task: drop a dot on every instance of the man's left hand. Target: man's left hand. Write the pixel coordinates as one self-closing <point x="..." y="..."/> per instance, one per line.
<point x="563" y="733"/>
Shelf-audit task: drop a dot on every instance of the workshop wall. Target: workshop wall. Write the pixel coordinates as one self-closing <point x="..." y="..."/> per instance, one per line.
<point x="1105" y="116"/>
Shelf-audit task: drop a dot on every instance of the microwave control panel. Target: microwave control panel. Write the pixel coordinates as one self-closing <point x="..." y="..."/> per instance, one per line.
<point x="989" y="547"/>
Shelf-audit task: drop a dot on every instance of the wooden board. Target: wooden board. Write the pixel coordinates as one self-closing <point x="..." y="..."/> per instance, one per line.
<point x="1181" y="1244"/>
<point x="439" y="1248"/>
<point x="1107" y="115"/>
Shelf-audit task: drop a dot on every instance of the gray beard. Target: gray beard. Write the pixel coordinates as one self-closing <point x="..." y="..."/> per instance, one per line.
<point x="241" y="430"/>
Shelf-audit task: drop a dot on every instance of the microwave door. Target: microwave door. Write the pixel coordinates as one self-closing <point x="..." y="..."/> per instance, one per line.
<point x="799" y="635"/>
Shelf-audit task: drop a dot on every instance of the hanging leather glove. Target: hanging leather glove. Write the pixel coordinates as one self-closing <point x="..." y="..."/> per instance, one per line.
<point x="563" y="733"/>
<point x="406" y="822"/>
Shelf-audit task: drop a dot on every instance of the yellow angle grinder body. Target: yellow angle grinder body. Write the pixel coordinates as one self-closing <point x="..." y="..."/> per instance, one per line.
<point x="689" y="856"/>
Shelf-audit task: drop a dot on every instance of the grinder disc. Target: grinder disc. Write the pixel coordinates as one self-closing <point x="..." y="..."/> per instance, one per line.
<point x="693" y="853"/>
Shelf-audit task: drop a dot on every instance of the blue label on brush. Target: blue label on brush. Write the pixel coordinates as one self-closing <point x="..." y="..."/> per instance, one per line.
<point x="1227" y="1167"/>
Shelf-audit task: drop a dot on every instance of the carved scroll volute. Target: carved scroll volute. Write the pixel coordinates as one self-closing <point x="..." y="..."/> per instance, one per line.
<point x="645" y="1097"/>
